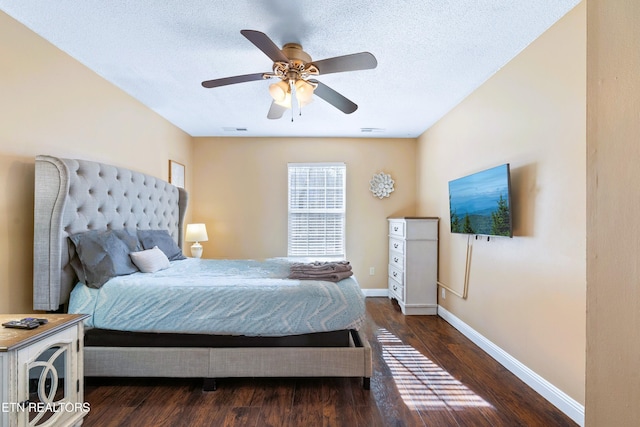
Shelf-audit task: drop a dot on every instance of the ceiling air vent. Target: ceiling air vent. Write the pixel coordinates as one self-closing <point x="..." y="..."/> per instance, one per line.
<point x="232" y="129"/>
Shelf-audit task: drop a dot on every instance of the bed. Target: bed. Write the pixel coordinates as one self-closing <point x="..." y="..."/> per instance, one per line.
<point x="78" y="197"/>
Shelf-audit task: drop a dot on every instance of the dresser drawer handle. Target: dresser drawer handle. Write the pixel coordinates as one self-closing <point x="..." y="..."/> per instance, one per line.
<point x="395" y="228"/>
<point x="395" y="288"/>
<point x="395" y="259"/>
<point x="395" y="274"/>
<point x="395" y="246"/>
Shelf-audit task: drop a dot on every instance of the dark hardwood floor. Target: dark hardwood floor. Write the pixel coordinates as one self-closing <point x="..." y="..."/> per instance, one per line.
<point x="425" y="373"/>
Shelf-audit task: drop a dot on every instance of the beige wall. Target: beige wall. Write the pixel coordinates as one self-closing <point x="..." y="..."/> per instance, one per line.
<point x="526" y="294"/>
<point x="613" y="208"/>
<point x="51" y="104"/>
<point x="240" y="192"/>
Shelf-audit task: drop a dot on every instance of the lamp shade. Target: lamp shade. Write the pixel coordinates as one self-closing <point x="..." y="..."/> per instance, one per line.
<point x="196" y="233"/>
<point x="286" y="102"/>
<point x="304" y="92"/>
<point x="279" y="91"/>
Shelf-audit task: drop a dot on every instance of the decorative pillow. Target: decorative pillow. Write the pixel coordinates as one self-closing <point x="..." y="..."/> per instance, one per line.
<point x="75" y="263"/>
<point x="103" y="255"/>
<point x="150" y="260"/>
<point x="164" y="242"/>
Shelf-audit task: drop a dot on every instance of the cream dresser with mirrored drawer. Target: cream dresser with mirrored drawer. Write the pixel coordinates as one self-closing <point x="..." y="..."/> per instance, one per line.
<point x="413" y="264"/>
<point x="41" y="372"/>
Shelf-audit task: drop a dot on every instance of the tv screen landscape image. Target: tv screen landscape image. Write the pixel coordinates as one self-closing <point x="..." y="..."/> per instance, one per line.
<point x="481" y="203"/>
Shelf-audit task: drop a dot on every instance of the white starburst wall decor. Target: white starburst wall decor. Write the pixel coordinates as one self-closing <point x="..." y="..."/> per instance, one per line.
<point x="381" y="185"/>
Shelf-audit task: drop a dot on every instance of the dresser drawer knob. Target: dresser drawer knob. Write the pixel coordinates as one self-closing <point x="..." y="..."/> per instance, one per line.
<point x="395" y="246"/>
<point x="395" y="228"/>
<point x="395" y="259"/>
<point x="395" y="288"/>
<point x="395" y="274"/>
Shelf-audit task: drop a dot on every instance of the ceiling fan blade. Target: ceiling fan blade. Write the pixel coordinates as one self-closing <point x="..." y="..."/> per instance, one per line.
<point x="276" y="111"/>
<point x="334" y="98"/>
<point x="232" y="80"/>
<point x="264" y="43"/>
<point x="353" y="62"/>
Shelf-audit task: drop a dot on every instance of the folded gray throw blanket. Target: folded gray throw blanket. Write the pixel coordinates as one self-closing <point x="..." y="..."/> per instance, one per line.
<point x="329" y="271"/>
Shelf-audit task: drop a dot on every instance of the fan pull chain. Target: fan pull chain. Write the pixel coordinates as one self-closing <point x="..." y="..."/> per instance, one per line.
<point x="292" y="90"/>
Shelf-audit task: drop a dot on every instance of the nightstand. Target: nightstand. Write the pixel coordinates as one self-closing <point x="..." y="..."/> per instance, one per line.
<point x="41" y="372"/>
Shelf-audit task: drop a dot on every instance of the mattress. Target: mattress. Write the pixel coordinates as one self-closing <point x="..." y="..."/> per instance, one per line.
<point x="224" y="297"/>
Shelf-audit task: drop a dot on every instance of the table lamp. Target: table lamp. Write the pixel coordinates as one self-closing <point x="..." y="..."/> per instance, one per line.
<point x="196" y="233"/>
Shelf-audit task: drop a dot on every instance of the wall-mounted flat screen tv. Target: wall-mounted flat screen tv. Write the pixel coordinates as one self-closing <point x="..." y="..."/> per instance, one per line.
<point x="481" y="203"/>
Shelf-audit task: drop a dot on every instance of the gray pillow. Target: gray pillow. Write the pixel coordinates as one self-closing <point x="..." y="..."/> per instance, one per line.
<point x="103" y="255"/>
<point x="160" y="238"/>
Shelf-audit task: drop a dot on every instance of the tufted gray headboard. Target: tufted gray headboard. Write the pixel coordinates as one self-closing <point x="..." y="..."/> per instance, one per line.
<point x="73" y="196"/>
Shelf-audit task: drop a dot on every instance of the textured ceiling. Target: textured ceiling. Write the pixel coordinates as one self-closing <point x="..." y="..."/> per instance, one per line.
<point x="431" y="54"/>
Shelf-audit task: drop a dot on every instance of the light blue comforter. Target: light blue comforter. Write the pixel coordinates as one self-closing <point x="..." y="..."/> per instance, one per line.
<point x="228" y="297"/>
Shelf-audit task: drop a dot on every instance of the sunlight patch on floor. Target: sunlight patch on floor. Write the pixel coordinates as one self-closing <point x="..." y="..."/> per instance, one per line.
<point x="421" y="383"/>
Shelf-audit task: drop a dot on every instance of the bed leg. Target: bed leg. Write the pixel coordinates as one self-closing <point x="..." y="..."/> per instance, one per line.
<point x="209" y="384"/>
<point x="366" y="383"/>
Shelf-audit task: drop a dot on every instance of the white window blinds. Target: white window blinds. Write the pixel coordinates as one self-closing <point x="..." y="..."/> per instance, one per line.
<point x="316" y="209"/>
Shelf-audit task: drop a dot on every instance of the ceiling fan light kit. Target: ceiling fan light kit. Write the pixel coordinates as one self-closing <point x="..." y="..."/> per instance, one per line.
<point x="297" y="71"/>
<point x="282" y="93"/>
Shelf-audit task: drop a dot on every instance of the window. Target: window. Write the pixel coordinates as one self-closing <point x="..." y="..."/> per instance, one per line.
<point x="316" y="209"/>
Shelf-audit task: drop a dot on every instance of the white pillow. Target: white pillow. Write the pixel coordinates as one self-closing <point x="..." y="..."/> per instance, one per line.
<point x="150" y="260"/>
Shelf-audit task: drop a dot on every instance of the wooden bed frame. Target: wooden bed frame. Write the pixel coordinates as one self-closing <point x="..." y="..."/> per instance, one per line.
<point x="73" y="196"/>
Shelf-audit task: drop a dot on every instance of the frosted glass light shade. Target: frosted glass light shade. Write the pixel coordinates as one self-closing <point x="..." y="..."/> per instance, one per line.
<point x="304" y="92"/>
<point x="286" y="102"/>
<point x="278" y="91"/>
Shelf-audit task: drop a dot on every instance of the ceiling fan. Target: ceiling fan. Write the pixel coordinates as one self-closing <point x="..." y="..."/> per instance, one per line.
<point x="295" y="70"/>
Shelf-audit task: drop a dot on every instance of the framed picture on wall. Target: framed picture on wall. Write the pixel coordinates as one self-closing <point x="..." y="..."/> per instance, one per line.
<point x="176" y="173"/>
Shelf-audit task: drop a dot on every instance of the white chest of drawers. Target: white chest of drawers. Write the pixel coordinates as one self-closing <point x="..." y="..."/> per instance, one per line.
<point x="413" y="264"/>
